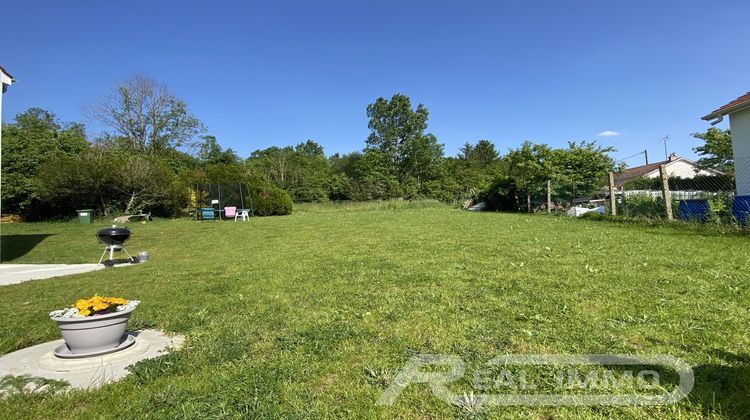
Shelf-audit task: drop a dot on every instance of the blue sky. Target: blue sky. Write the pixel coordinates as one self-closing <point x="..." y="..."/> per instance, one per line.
<point x="279" y="72"/>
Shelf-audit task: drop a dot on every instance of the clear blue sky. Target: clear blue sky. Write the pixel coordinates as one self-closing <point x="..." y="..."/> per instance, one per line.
<point x="279" y="72"/>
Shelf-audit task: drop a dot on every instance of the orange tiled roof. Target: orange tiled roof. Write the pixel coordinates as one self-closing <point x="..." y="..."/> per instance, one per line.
<point x="735" y="105"/>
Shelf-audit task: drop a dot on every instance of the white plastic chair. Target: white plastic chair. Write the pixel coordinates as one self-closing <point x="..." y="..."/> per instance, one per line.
<point x="243" y="214"/>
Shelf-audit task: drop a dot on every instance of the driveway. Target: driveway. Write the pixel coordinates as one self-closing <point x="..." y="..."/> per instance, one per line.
<point x="19" y="273"/>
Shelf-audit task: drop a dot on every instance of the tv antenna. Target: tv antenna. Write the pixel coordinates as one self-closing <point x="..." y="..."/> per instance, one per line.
<point x="665" y="139"/>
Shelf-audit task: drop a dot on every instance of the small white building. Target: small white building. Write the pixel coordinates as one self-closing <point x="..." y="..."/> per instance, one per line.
<point x="739" y="125"/>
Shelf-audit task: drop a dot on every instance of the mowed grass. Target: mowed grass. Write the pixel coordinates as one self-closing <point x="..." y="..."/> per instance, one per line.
<point x="311" y="315"/>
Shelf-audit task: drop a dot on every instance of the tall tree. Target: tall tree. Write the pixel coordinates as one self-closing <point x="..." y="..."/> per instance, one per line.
<point x="273" y="163"/>
<point x="393" y="124"/>
<point x="582" y="167"/>
<point x="473" y="169"/>
<point x="148" y="115"/>
<point x="310" y="148"/>
<point x="466" y="152"/>
<point x="210" y="152"/>
<point x="373" y="178"/>
<point x="529" y="166"/>
<point x="34" y="137"/>
<point x="302" y="170"/>
<point x="397" y="134"/>
<point x="716" y="150"/>
<point x="484" y="153"/>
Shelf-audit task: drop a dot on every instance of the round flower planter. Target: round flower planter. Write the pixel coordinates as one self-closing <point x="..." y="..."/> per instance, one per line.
<point x="94" y="334"/>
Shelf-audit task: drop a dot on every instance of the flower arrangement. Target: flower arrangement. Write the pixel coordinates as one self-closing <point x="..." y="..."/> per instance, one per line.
<point x="95" y="305"/>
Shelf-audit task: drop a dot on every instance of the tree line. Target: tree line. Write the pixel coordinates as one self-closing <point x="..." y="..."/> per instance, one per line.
<point x="155" y="151"/>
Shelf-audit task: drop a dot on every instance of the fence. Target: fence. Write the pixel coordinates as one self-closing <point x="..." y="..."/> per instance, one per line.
<point x="669" y="192"/>
<point x="222" y="195"/>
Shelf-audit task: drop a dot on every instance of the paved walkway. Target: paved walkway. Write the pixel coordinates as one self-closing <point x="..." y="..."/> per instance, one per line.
<point x="90" y="372"/>
<point x="19" y="273"/>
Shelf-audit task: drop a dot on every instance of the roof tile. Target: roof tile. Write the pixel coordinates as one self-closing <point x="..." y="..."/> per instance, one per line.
<point x="731" y="106"/>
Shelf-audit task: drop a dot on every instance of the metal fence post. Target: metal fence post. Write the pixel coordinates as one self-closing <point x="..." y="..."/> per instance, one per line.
<point x="665" y="191"/>
<point x="612" y="197"/>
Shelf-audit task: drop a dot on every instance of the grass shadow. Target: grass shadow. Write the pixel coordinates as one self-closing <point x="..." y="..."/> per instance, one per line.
<point x="674" y="228"/>
<point x="724" y="388"/>
<point x="16" y="246"/>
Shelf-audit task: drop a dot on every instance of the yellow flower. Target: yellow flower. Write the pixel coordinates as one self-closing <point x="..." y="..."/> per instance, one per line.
<point x="116" y="301"/>
<point x="97" y="303"/>
<point x="100" y="306"/>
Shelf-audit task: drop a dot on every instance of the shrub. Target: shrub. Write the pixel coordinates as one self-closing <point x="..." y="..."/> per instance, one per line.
<point x="643" y="205"/>
<point x="308" y="192"/>
<point x="270" y="200"/>
<point x="720" y="209"/>
<point x="501" y="194"/>
<point x="339" y="187"/>
<point x="721" y="182"/>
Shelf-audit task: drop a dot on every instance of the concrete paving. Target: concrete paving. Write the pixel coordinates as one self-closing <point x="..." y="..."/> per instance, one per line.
<point x="19" y="273"/>
<point x="39" y="362"/>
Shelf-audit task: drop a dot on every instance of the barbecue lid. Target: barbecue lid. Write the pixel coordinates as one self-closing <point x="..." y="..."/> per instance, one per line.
<point x="113" y="231"/>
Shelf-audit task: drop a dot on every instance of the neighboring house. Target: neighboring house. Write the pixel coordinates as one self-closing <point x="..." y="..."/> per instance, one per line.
<point x="676" y="166"/>
<point x="739" y="125"/>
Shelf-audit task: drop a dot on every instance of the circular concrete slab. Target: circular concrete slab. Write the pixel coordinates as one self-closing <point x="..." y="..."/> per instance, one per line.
<point x="39" y="361"/>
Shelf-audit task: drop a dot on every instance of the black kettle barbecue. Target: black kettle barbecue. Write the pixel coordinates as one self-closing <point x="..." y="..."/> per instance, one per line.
<point x="113" y="237"/>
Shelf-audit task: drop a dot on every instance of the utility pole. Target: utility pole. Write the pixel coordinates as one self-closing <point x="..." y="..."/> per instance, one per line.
<point x="645" y="153"/>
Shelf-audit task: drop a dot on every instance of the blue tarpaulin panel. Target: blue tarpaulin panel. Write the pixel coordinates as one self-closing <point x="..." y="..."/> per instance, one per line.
<point x="741" y="209"/>
<point x="694" y="210"/>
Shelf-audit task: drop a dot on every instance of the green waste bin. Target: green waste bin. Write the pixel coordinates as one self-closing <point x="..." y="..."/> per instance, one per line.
<point x="85" y="216"/>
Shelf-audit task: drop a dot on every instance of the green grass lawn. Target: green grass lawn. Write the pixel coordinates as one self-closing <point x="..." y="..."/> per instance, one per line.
<point x="311" y="315"/>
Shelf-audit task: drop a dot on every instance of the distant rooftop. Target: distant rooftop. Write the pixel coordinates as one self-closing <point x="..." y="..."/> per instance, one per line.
<point x="641" y="171"/>
<point x="638" y="171"/>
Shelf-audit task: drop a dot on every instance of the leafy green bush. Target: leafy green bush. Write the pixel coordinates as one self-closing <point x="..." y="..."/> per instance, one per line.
<point x="720" y="210"/>
<point x="110" y="183"/>
<point x="270" y="200"/>
<point x="501" y="194"/>
<point x="722" y="182"/>
<point x="643" y="206"/>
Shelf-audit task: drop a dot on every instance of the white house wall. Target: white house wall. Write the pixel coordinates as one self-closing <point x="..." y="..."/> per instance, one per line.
<point x="739" y="123"/>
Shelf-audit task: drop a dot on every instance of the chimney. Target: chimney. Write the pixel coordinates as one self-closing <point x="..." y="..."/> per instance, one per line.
<point x="672" y="157"/>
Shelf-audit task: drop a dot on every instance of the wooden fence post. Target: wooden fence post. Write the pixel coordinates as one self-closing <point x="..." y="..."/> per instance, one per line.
<point x="612" y="196"/>
<point x="665" y="191"/>
<point x="549" y="196"/>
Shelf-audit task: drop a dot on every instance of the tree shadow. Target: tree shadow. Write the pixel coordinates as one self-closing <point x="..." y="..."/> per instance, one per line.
<point x="724" y="388"/>
<point x="15" y="246"/>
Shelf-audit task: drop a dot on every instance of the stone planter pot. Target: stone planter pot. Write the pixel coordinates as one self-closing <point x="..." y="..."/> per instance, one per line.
<point x="94" y="334"/>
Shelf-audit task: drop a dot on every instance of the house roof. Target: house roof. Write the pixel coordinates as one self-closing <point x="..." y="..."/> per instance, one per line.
<point x="637" y="172"/>
<point x="736" y="105"/>
<point x="641" y="171"/>
<point x="7" y="74"/>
